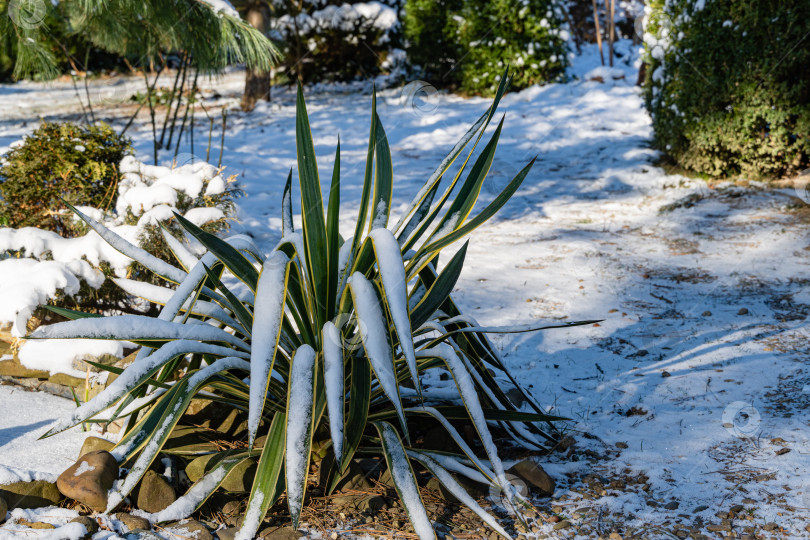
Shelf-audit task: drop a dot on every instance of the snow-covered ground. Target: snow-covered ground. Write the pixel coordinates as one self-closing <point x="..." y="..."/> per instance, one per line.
<point x="694" y="382"/>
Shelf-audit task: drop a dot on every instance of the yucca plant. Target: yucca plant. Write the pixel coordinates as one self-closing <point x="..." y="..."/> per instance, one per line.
<point x="280" y="344"/>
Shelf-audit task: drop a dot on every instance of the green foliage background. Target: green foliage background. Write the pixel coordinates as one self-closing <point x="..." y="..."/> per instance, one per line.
<point x="467" y="43"/>
<point x="728" y="86"/>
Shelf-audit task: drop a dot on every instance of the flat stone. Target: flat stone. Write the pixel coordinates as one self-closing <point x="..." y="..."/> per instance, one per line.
<point x="89" y="479"/>
<point x="92" y="444"/>
<point x="90" y="524"/>
<point x="34" y="494"/>
<point x="354" y="480"/>
<point x="190" y="528"/>
<point x="516" y="396"/>
<point x="280" y="533"/>
<point x="154" y="493"/>
<point x="67" y="380"/>
<point x="133" y="523"/>
<point x="533" y="474"/>
<point x="143" y="534"/>
<point x="13" y="368"/>
<point x="361" y="503"/>
<point x="228" y="533"/>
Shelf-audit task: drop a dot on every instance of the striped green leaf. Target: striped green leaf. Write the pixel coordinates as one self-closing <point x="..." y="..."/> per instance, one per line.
<point x="269" y="481"/>
<point x="312" y="217"/>
<point x="404" y="481"/>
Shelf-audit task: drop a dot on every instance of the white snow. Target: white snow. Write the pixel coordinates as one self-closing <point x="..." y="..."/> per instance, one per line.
<point x="344" y="17"/>
<point x="61" y="355"/>
<point x="222" y="6"/>
<point x="83" y="468"/>
<point x="133" y="328"/>
<point x="50" y="265"/>
<point x="26" y="417"/>
<point x="333" y="380"/>
<point x="457" y="490"/>
<point x="267" y="315"/>
<point x="467" y="389"/>
<point x="137" y="370"/>
<point x="374" y="333"/>
<point x="299" y="425"/>
<point x="253" y="518"/>
<point x="392" y="273"/>
<point x="147" y="454"/>
<point x="403" y="480"/>
<point x="201" y="216"/>
<point x="583" y="238"/>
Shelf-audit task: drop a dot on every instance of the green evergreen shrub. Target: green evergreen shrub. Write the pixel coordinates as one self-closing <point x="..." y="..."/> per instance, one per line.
<point x="60" y="161"/>
<point x="467" y="43"/>
<point x="728" y="85"/>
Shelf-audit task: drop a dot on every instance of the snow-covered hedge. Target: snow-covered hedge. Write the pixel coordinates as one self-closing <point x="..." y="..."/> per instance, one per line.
<point x="338" y="40"/>
<point x="728" y="85"/>
<point x="38" y="267"/>
<point x="468" y="43"/>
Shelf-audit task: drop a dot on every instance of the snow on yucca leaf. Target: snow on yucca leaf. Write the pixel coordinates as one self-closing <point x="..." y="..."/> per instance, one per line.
<point x="392" y="274"/>
<point x="374" y="331"/>
<point x="338" y="332"/>
<point x="333" y="380"/>
<point x="299" y="427"/>
<point x="404" y="482"/>
<point x="457" y="490"/>
<point x="266" y="326"/>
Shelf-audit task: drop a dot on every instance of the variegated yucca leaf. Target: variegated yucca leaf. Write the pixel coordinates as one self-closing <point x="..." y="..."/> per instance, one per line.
<point x="320" y="345"/>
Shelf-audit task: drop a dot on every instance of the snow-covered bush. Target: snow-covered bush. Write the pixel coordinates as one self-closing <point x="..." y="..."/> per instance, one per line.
<point x="338" y="348"/>
<point x="59" y="161"/>
<point x="728" y="85"/>
<point x="149" y="196"/>
<point x="468" y="43"/>
<point x="39" y="267"/>
<point x="336" y="40"/>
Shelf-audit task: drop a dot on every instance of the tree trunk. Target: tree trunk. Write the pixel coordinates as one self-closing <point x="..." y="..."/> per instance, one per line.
<point x="257" y="83"/>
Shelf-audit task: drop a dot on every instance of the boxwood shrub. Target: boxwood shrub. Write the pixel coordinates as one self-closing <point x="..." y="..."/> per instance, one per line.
<point x="728" y="86"/>
<point x="60" y="160"/>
